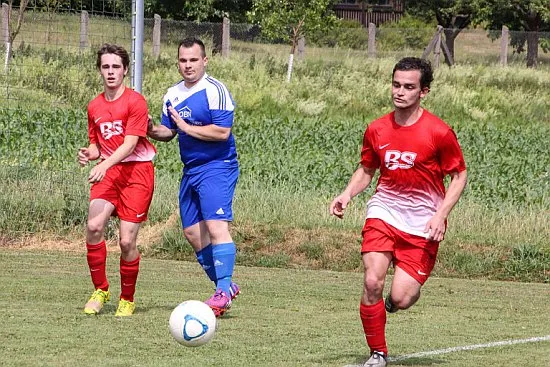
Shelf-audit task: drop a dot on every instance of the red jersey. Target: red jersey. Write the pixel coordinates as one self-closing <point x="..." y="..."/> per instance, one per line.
<point x="110" y="121"/>
<point x="413" y="161"/>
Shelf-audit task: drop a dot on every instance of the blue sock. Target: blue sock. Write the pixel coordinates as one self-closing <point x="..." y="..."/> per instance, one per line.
<point x="204" y="257"/>
<point x="224" y="262"/>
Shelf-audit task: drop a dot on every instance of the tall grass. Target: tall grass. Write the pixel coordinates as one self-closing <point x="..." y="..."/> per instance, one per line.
<point x="298" y="144"/>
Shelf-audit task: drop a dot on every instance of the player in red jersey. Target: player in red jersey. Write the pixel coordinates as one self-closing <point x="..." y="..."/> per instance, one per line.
<point x="123" y="180"/>
<point x="407" y="215"/>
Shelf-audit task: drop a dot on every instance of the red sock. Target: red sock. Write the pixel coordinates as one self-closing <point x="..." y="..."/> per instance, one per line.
<point x="128" y="276"/>
<point x="373" y="318"/>
<point x="97" y="257"/>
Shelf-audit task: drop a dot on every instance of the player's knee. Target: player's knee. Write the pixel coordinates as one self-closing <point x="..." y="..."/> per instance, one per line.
<point x="404" y="300"/>
<point x="95" y="228"/>
<point x="373" y="287"/>
<point x="127" y="245"/>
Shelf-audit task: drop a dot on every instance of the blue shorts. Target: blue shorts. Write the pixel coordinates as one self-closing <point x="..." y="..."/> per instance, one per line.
<point x="207" y="195"/>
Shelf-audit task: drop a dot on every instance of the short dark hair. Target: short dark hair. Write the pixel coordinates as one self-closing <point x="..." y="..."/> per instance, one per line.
<point x="415" y="63"/>
<point x="109" y="48"/>
<point x="189" y="42"/>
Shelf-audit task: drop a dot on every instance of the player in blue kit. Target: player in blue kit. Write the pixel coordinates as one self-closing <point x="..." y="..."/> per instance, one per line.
<point x="199" y="110"/>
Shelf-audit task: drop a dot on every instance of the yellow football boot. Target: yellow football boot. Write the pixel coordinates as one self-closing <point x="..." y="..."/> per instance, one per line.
<point x="125" y="308"/>
<point x="96" y="301"/>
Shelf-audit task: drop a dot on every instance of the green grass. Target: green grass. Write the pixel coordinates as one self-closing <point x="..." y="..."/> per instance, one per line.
<point x="283" y="318"/>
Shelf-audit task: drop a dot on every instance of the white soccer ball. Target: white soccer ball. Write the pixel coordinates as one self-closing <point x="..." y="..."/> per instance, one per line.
<point x="192" y="323"/>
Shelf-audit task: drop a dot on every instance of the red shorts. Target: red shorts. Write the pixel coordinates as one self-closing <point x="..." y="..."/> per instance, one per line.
<point x="415" y="255"/>
<point x="129" y="187"/>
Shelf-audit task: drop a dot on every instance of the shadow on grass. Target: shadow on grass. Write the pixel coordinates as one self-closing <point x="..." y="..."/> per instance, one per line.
<point x="420" y="361"/>
<point x="359" y="360"/>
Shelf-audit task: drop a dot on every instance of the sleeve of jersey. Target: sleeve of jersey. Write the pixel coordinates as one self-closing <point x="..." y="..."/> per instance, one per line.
<point x="91" y="128"/>
<point x="450" y="154"/>
<point x="221" y="106"/>
<point x="369" y="158"/>
<point x="165" y="118"/>
<point x="137" y="117"/>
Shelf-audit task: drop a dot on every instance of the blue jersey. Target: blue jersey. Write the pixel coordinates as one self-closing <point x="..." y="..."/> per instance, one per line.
<point x="207" y="102"/>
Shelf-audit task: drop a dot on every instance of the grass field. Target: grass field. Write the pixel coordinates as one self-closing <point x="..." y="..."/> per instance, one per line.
<point x="283" y="318"/>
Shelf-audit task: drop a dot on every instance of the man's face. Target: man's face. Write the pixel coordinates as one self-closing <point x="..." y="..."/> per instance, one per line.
<point x="191" y="64"/>
<point x="112" y="71"/>
<point x="406" y="91"/>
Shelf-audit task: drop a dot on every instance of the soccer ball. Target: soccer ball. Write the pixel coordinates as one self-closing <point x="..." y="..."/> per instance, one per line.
<point x="192" y="323"/>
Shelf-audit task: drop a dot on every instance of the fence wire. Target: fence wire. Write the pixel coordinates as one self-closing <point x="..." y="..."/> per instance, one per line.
<point x="50" y="77"/>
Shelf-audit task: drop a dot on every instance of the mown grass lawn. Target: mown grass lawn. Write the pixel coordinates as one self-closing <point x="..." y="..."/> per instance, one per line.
<point x="285" y="317"/>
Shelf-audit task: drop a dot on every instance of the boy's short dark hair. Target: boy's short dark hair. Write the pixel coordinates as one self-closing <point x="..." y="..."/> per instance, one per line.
<point x="415" y="63"/>
<point x="109" y="48"/>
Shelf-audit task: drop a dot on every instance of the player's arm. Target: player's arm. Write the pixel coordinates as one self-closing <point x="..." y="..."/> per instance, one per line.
<point x="91" y="153"/>
<point x="359" y="181"/>
<point x="436" y="225"/>
<point x="159" y="132"/>
<point x="210" y="132"/>
<point x="124" y="150"/>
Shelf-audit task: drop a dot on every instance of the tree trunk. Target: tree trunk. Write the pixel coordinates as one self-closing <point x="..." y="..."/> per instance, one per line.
<point x="532" y="49"/>
<point x="533" y="25"/>
<point x="450" y="36"/>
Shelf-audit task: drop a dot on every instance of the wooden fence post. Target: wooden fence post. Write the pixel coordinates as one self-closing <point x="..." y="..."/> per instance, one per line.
<point x="504" y="46"/>
<point x="5" y="32"/>
<point x="371" y="45"/>
<point x="301" y="48"/>
<point x="156" y="35"/>
<point x="437" y="48"/>
<point x="431" y="45"/>
<point x="84" y="20"/>
<point x="226" y="30"/>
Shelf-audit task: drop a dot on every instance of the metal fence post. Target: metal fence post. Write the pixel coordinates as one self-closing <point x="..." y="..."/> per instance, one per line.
<point x="156" y="35"/>
<point x="137" y="44"/>
<point x="84" y="22"/>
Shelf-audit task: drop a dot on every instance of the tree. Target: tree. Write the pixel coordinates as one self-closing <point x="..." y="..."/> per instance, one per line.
<point x="531" y="16"/>
<point x="190" y="10"/>
<point x="453" y="16"/>
<point x="14" y="27"/>
<point x="199" y="11"/>
<point x="290" y="20"/>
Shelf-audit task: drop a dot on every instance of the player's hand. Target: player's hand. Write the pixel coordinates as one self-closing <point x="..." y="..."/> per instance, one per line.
<point x="435" y="228"/>
<point x="180" y="122"/>
<point x="97" y="173"/>
<point x="149" y="123"/>
<point x="83" y="156"/>
<point x="338" y="205"/>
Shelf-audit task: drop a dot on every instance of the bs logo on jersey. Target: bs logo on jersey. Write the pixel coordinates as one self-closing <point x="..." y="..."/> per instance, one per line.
<point x="395" y="159"/>
<point x="110" y="129"/>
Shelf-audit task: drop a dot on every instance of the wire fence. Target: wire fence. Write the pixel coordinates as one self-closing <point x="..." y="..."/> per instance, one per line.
<point x="50" y="76"/>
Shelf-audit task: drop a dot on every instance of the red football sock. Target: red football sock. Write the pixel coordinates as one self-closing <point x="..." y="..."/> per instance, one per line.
<point x="128" y="276"/>
<point x="97" y="257"/>
<point x="373" y="318"/>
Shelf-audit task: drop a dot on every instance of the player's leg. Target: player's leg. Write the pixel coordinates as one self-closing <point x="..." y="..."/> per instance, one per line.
<point x="377" y="250"/>
<point x="136" y="185"/>
<point x="194" y="228"/>
<point x="99" y="213"/>
<point x="129" y="267"/>
<point x="405" y="291"/>
<point x="217" y="188"/>
<point x="372" y="311"/>
<point x="414" y="261"/>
